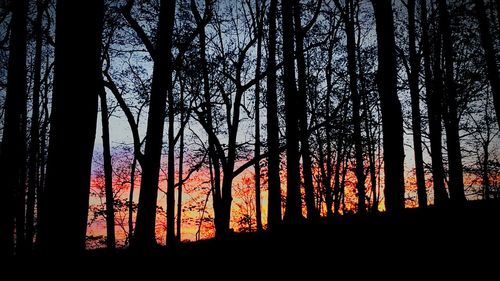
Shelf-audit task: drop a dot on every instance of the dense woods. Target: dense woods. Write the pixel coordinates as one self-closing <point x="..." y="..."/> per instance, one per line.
<point x="134" y="123"/>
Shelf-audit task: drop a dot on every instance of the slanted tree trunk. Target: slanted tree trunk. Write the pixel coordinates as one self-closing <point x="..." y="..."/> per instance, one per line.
<point x="339" y="160"/>
<point x="489" y="53"/>
<point x="144" y="234"/>
<point x="433" y="99"/>
<point x="12" y="152"/>
<point x="451" y="121"/>
<point x="108" y="174"/>
<point x="392" y="117"/>
<point x="274" y="184"/>
<point x="413" y="78"/>
<point x="293" y="211"/>
<point x="73" y="124"/>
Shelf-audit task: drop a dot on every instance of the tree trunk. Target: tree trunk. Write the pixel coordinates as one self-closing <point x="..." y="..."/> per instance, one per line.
<point x="356" y="103"/>
<point x="489" y="53"/>
<point x="144" y="235"/>
<point x="274" y="184"/>
<point x="213" y="156"/>
<point x="293" y="211"/>
<point x="413" y="78"/>
<point x="34" y="148"/>
<point x="451" y="121"/>
<point x="133" y="167"/>
<point x="302" y="112"/>
<point x="259" y="23"/>
<point x="181" y="168"/>
<point x="392" y="117"/>
<point x="108" y="175"/>
<point x="12" y="153"/>
<point x="433" y="100"/>
<point x="329" y="167"/>
<point x="341" y="155"/>
<point x="171" y="164"/>
<point x="73" y="124"/>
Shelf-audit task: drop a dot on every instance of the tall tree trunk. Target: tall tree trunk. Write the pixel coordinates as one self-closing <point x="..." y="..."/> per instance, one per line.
<point x="356" y="104"/>
<point x="339" y="159"/>
<point x="328" y="128"/>
<point x="433" y="99"/>
<point x="293" y="211"/>
<point x="413" y="78"/>
<point x="108" y="174"/>
<point x="302" y="112"/>
<point x="392" y="117"/>
<point x="13" y="140"/>
<point x="259" y="23"/>
<point x="43" y="148"/>
<point x="486" y="153"/>
<point x="144" y="235"/>
<point x="451" y="121"/>
<point x="73" y="124"/>
<point x="213" y="156"/>
<point x="489" y="53"/>
<point x="34" y="147"/>
<point x="274" y="184"/>
<point x="370" y="139"/>
<point x="181" y="167"/>
<point x="133" y="168"/>
<point x="171" y="165"/>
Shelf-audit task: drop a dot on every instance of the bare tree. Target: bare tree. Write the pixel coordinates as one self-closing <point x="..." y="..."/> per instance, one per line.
<point x="72" y="126"/>
<point x="392" y="117"/>
<point x="12" y="153"/>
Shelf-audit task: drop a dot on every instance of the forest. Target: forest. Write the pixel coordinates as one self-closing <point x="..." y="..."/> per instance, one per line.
<point x="140" y="126"/>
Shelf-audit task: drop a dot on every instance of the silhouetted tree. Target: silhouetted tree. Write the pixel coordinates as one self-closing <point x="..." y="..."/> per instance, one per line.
<point x="273" y="173"/>
<point x="348" y="18"/>
<point x="13" y="148"/>
<point x="489" y="53"/>
<point x="144" y="235"/>
<point x="293" y="211"/>
<point x="258" y="23"/>
<point x="392" y="117"/>
<point x="68" y="169"/>
<point x="300" y="33"/>
<point x="108" y="174"/>
<point x="413" y="80"/>
<point x="451" y="121"/>
<point x="34" y="144"/>
<point x="432" y="78"/>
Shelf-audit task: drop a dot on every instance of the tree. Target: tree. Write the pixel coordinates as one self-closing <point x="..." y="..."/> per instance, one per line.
<point x="300" y="33"/>
<point x="144" y="235"/>
<point x="392" y="117"/>
<point x="293" y="211"/>
<point x="108" y="174"/>
<point x="12" y="152"/>
<point x="432" y="78"/>
<point x="34" y="145"/>
<point x="415" y="105"/>
<point x="258" y="27"/>
<point x="348" y="18"/>
<point x="489" y="53"/>
<point x="68" y="169"/>
<point x="451" y="119"/>
<point x="274" y="185"/>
